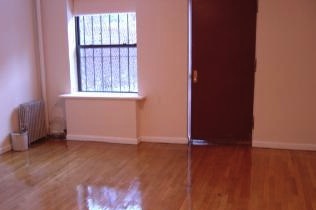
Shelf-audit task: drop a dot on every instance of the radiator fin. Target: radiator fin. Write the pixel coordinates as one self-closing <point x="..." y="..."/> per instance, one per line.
<point x="32" y="119"/>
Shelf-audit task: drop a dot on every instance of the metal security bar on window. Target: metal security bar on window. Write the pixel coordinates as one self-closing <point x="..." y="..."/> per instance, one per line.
<point x="107" y="53"/>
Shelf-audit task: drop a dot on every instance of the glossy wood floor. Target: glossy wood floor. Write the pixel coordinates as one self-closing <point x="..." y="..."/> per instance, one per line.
<point x="80" y="175"/>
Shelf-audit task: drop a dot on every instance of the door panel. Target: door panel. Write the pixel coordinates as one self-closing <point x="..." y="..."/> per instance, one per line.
<point x="223" y="54"/>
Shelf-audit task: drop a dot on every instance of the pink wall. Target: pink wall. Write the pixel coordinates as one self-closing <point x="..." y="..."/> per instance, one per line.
<point x="162" y="60"/>
<point x="285" y="100"/>
<point x="101" y="6"/>
<point x="55" y="35"/>
<point x="163" y="37"/>
<point x="19" y="75"/>
<point x="95" y="120"/>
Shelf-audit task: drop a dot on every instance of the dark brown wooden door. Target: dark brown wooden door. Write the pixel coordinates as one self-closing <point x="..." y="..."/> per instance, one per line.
<point x="223" y="55"/>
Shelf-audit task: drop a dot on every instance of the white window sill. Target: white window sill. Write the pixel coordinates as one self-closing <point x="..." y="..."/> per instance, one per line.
<point x="103" y="96"/>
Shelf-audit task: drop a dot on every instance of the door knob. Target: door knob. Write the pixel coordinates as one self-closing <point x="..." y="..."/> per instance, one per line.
<point x="195" y="76"/>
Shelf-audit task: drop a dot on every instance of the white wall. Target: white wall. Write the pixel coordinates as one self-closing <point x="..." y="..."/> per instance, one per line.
<point x="285" y="99"/>
<point x="19" y="75"/>
<point x="162" y="60"/>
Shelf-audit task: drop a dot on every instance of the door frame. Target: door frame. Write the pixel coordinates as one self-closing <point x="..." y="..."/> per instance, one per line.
<point x="189" y="69"/>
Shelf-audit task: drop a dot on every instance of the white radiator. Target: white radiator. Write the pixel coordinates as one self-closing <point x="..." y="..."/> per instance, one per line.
<point x="32" y="119"/>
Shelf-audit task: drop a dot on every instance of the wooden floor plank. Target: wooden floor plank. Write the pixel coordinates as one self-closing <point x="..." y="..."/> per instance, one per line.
<point x="57" y="174"/>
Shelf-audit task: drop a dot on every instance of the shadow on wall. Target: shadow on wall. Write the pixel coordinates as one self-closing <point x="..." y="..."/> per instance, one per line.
<point x="14" y="127"/>
<point x="57" y="122"/>
<point x="14" y="124"/>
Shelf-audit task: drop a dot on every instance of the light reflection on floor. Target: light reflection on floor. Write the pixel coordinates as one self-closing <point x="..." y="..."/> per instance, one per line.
<point x="108" y="198"/>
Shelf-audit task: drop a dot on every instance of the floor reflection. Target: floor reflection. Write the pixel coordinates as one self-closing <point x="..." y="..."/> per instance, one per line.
<point x="109" y="198"/>
<point x="220" y="177"/>
<point x="95" y="176"/>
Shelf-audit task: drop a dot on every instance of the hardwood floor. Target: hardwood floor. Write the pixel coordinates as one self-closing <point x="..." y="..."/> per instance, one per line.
<point x="242" y="178"/>
<point x="69" y="175"/>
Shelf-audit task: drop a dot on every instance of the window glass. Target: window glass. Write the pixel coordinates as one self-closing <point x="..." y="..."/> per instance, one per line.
<point x="107" y="52"/>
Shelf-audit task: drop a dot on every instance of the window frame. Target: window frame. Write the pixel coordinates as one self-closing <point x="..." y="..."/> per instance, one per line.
<point x="96" y="46"/>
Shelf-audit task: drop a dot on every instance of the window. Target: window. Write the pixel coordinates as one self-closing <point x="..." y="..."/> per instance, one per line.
<point x="107" y="53"/>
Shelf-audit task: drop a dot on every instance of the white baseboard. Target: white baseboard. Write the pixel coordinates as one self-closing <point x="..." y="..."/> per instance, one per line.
<point x="283" y="145"/>
<point x="5" y="149"/>
<point x="164" y="139"/>
<point x="107" y="139"/>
